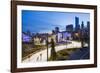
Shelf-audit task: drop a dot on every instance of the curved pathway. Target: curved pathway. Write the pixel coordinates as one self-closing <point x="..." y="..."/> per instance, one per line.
<point x="42" y="55"/>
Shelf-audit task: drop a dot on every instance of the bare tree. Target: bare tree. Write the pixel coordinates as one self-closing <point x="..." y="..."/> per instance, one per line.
<point x="53" y="52"/>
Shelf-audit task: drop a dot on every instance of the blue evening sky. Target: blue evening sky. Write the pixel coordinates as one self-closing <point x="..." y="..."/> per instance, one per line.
<point x="46" y="21"/>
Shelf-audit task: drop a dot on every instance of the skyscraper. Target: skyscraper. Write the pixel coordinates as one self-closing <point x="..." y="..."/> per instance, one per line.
<point x="88" y="26"/>
<point x="82" y="25"/>
<point x="69" y="28"/>
<point x="77" y="26"/>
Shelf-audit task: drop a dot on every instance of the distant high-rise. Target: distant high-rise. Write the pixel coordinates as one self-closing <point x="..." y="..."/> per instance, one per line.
<point x="69" y="28"/>
<point x="77" y="26"/>
<point x="88" y="25"/>
<point x="82" y="25"/>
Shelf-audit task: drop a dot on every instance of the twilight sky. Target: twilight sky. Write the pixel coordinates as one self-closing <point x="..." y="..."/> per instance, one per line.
<point x="46" y="21"/>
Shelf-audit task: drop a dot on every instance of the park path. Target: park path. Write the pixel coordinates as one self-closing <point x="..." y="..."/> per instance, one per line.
<point x="42" y="55"/>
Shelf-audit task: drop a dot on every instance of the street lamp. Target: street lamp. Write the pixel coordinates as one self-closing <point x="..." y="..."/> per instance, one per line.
<point x="47" y="46"/>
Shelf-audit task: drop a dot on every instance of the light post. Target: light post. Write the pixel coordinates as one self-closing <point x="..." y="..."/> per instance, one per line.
<point x="66" y="41"/>
<point x="47" y="46"/>
<point x="82" y="34"/>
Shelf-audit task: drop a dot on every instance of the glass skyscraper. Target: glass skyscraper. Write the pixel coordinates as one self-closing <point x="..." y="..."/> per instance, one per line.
<point x="77" y="26"/>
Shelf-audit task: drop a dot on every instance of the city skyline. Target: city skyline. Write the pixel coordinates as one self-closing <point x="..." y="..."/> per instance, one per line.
<point x="46" y="21"/>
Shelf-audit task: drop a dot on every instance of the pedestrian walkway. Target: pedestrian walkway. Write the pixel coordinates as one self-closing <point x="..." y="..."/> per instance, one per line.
<point x="42" y="55"/>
